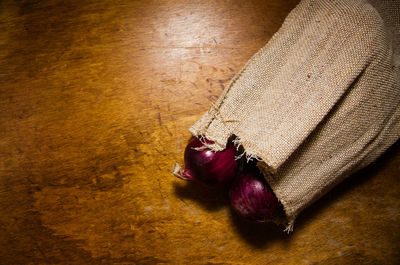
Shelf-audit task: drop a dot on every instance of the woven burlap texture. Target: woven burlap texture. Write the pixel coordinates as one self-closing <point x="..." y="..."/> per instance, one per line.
<point x="319" y="101"/>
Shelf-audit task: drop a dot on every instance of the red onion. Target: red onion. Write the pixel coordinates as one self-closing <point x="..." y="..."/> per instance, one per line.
<point x="206" y="166"/>
<point x="252" y="198"/>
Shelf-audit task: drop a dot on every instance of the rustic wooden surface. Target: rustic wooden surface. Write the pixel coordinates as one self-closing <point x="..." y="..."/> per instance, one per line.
<point x="95" y="101"/>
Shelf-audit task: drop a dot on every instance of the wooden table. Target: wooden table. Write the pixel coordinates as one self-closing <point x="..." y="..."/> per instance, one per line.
<point x="96" y="99"/>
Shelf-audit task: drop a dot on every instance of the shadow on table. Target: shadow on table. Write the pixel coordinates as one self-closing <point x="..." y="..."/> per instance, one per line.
<point x="211" y="199"/>
<point x="259" y="235"/>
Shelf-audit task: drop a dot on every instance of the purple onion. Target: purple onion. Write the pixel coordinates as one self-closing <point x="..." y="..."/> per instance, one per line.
<point x="206" y="166"/>
<point x="252" y="198"/>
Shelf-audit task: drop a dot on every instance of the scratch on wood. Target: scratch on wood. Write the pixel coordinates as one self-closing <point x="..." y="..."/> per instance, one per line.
<point x="159" y="189"/>
<point x="42" y="252"/>
<point x="159" y="119"/>
<point x="183" y="201"/>
<point x="168" y="131"/>
<point x="194" y="84"/>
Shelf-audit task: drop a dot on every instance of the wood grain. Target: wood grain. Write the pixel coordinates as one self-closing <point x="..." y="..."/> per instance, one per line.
<point x="95" y="101"/>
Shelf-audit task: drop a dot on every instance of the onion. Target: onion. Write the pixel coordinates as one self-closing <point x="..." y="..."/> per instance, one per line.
<point x="252" y="198"/>
<point x="206" y="166"/>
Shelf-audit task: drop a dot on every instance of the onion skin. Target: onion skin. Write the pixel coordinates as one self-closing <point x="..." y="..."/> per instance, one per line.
<point x="209" y="167"/>
<point x="252" y="198"/>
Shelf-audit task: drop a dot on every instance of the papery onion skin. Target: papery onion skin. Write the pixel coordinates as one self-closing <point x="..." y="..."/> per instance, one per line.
<point x="209" y="167"/>
<point x="252" y="198"/>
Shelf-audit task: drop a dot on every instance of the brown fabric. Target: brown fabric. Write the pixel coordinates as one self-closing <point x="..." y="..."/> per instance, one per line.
<point x="318" y="102"/>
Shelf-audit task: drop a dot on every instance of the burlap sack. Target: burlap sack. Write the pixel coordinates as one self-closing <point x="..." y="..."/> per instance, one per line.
<point x="318" y="102"/>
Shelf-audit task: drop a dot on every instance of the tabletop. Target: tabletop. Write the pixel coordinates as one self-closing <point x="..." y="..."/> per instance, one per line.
<point x="95" y="105"/>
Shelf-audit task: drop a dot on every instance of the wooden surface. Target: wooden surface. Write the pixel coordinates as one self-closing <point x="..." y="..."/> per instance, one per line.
<point x="95" y="101"/>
